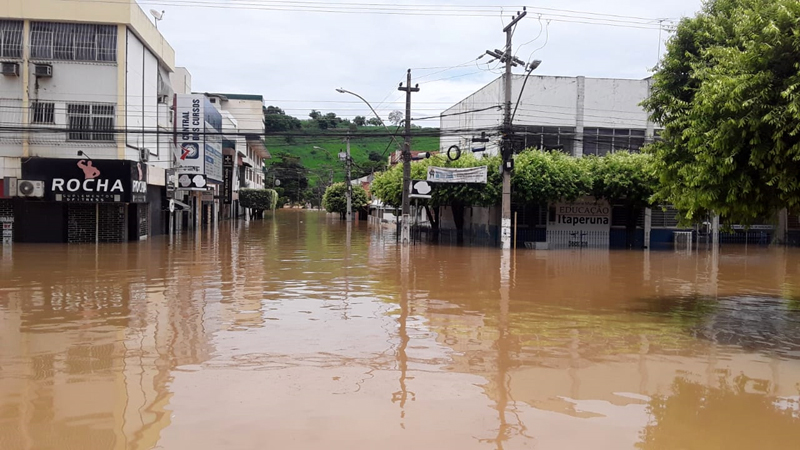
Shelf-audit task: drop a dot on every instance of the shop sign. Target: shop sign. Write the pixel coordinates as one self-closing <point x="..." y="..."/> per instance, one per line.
<point x="227" y="179"/>
<point x="88" y="181"/>
<point x="582" y="214"/>
<point x="199" y="138"/>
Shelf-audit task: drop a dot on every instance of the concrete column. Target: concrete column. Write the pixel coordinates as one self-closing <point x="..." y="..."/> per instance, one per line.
<point x="781" y="230"/>
<point x="649" y="133"/>
<point x="648" y="225"/>
<point x="715" y="230"/>
<point x="579" y="109"/>
<point x="25" y="68"/>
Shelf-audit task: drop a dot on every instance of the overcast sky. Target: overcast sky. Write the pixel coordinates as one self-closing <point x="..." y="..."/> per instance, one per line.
<point x="296" y="59"/>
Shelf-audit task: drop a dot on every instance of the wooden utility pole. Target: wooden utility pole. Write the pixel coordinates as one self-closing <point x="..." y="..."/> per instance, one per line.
<point x="405" y="231"/>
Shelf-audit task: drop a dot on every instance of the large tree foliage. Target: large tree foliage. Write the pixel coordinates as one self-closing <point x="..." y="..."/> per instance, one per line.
<point x="545" y="177"/>
<point x="728" y="95"/>
<point x="335" y="198"/>
<point x="276" y="120"/>
<point x="623" y="178"/>
<point x="291" y="174"/>
<point x="258" y="200"/>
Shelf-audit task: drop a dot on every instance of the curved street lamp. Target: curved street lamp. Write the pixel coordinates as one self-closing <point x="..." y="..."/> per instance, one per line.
<point x="345" y="91"/>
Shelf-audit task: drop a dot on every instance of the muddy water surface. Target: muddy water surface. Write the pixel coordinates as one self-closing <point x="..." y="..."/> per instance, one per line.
<point x="297" y="333"/>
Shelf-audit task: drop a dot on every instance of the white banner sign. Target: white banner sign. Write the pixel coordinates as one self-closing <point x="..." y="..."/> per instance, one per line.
<point x="452" y="175"/>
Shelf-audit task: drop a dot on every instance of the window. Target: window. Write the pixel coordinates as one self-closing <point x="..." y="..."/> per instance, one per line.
<point x="10" y="39"/>
<point x="549" y="138"/>
<point x="664" y="216"/>
<point x="73" y="42"/>
<point x="90" y="122"/>
<point x="43" y="113"/>
<point x="600" y="141"/>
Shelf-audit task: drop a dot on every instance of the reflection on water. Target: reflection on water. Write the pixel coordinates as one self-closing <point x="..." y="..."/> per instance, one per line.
<point x="302" y="332"/>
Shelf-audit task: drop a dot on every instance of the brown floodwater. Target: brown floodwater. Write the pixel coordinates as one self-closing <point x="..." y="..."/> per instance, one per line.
<point x="295" y="332"/>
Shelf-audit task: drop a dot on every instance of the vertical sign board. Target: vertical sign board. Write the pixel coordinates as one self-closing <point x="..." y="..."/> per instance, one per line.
<point x="227" y="179"/>
<point x="212" y="126"/>
<point x="586" y="222"/>
<point x="190" y="140"/>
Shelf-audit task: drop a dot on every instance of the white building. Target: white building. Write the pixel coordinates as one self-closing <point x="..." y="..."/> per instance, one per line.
<point x="578" y="115"/>
<point x="84" y="83"/>
<point x="243" y="125"/>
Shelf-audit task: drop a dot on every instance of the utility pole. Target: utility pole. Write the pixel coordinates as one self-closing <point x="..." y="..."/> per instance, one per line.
<point x="349" y="192"/>
<point x="507" y="146"/>
<point x="405" y="233"/>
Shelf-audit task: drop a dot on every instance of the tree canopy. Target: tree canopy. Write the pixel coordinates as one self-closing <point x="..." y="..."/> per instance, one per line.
<point x="335" y="198"/>
<point x="727" y="93"/>
<point x="544" y="177"/>
<point x="622" y="178"/>
<point x="276" y="120"/>
<point x="258" y="199"/>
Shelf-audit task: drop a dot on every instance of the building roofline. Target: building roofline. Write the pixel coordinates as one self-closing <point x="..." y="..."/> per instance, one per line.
<point x="236" y="96"/>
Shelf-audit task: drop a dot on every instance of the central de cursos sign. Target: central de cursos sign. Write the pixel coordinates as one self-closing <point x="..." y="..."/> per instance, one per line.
<point x="88" y="180"/>
<point x="198" y="147"/>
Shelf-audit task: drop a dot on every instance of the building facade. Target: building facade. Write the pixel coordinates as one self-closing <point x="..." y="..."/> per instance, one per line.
<point x="84" y="90"/>
<point x="243" y="145"/>
<point x="577" y="115"/>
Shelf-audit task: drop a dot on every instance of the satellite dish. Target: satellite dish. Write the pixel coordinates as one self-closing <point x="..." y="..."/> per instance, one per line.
<point x="156" y="14"/>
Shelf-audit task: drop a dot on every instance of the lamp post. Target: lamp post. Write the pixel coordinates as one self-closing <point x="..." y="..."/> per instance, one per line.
<point x="349" y="187"/>
<point x="406" y="161"/>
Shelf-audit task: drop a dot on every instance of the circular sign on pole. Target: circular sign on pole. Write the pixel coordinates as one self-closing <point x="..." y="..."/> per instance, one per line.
<point x="172" y="206"/>
<point x="277" y="182"/>
<point x="453" y="153"/>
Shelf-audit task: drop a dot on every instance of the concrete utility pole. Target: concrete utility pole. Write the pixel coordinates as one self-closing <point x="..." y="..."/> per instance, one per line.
<point x="507" y="149"/>
<point x="349" y="192"/>
<point x="405" y="233"/>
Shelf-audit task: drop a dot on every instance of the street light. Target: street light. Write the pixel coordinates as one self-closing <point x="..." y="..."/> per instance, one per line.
<point x="349" y="187"/>
<point x="345" y="91"/>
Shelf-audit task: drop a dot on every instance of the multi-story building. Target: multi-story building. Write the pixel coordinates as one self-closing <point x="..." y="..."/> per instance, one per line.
<point x="85" y="87"/>
<point x="243" y="144"/>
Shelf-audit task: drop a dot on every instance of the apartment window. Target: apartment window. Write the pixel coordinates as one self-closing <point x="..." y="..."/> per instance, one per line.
<point x="43" y="113"/>
<point x="73" y="42"/>
<point x="10" y="39"/>
<point x="600" y="141"/>
<point x="90" y="122"/>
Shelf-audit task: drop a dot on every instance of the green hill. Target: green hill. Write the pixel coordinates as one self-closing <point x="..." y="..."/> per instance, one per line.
<point x="365" y="141"/>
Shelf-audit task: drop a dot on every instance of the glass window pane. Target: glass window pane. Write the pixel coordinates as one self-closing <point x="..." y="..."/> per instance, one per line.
<point x="590" y="141"/>
<point x="604" y="141"/>
<point x="42" y="44"/>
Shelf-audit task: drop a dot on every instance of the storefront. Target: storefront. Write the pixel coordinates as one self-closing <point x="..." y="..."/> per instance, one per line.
<point x="81" y="200"/>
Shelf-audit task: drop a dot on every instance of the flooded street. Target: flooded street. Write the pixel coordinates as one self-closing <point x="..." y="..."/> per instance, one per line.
<point x="294" y="333"/>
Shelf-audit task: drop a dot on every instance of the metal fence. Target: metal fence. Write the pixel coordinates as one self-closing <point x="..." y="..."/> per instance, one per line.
<point x="577" y="239"/>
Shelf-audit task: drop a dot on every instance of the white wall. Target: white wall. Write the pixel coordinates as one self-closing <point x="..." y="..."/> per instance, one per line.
<point x="611" y="103"/>
<point x="546" y="101"/>
<point x="248" y="113"/>
<point x="181" y="80"/>
<point x="141" y="93"/>
<point x="69" y="85"/>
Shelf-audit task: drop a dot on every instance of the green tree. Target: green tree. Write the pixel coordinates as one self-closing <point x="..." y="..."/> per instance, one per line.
<point x="276" y="120"/>
<point x="315" y="115"/>
<point x="547" y="177"/>
<point x="360" y="120"/>
<point x="374" y="121"/>
<point x="388" y="187"/>
<point x="258" y="200"/>
<point x="335" y="198"/>
<point x="728" y="95"/>
<point x="623" y="178"/>
<point x="291" y="173"/>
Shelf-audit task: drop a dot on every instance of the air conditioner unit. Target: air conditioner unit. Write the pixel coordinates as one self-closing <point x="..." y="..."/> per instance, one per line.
<point x="10" y="68"/>
<point x="42" y="70"/>
<point x="30" y="188"/>
<point x="144" y="154"/>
